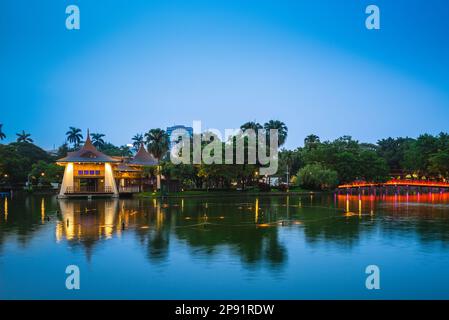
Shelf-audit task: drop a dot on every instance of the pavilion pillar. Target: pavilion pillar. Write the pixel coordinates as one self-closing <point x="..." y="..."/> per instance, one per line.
<point x="109" y="180"/>
<point x="67" y="180"/>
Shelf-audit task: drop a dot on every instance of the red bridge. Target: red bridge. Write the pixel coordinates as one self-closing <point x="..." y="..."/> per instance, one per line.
<point x="397" y="183"/>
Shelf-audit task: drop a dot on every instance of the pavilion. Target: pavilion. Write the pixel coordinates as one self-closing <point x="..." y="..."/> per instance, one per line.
<point x="89" y="172"/>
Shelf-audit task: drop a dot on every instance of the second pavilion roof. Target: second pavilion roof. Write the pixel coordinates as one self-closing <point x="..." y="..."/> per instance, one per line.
<point x="143" y="158"/>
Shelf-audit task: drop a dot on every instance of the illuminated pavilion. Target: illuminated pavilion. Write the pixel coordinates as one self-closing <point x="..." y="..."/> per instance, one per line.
<point x="89" y="172"/>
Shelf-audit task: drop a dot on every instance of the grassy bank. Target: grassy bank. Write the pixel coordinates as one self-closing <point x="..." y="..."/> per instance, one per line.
<point x="222" y="193"/>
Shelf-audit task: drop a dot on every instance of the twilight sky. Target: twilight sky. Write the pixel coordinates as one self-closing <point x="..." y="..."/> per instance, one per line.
<point x="140" y="64"/>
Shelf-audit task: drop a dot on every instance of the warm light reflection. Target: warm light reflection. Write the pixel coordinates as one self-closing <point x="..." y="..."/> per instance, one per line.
<point x="401" y="203"/>
<point x="42" y="210"/>
<point x="6" y="209"/>
<point x="256" y="210"/>
<point x="88" y="220"/>
<point x="159" y="216"/>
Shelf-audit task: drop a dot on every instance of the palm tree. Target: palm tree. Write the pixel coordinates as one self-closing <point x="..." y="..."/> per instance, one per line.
<point x="125" y="151"/>
<point x="157" y="144"/>
<point x="97" y="140"/>
<point x="24" y="137"/>
<point x="137" y="141"/>
<point x="74" y="136"/>
<point x="256" y="126"/>
<point x="311" y="141"/>
<point x="280" y="127"/>
<point x="2" y="135"/>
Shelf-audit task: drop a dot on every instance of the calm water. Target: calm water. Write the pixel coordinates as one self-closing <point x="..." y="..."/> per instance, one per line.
<point x="233" y="247"/>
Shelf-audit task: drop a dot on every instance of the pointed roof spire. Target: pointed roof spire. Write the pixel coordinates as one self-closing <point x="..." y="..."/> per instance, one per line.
<point x="143" y="157"/>
<point x="88" y="144"/>
<point x="88" y="153"/>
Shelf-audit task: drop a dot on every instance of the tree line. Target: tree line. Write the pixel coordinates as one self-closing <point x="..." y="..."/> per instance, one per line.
<point x="317" y="165"/>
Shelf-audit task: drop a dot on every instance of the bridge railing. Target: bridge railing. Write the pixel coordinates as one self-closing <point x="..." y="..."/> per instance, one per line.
<point x="397" y="182"/>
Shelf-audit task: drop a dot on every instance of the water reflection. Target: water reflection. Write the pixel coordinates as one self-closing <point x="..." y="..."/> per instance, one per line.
<point x="249" y="228"/>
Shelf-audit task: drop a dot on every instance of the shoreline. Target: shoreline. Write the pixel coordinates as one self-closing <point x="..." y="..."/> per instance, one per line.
<point x="211" y="194"/>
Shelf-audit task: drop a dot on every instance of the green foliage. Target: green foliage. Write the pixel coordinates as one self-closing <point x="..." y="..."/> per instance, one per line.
<point x="393" y="151"/>
<point x="114" y="151"/>
<point x="17" y="159"/>
<point x="157" y="142"/>
<point x="97" y="140"/>
<point x="74" y="136"/>
<point x="137" y="141"/>
<point x="13" y="166"/>
<point x="24" y="137"/>
<point x="350" y="159"/>
<point x="2" y="135"/>
<point x="45" y="173"/>
<point x="280" y="127"/>
<point x="317" y="177"/>
<point x="427" y="155"/>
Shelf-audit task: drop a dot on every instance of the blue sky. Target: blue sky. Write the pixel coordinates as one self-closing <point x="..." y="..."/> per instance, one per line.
<point x="136" y="65"/>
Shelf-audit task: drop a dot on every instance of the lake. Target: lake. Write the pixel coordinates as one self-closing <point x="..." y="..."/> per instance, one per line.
<point x="266" y="247"/>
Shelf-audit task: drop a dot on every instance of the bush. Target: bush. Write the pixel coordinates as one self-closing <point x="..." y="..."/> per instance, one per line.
<point x="283" y="187"/>
<point x="317" y="177"/>
<point x="264" y="187"/>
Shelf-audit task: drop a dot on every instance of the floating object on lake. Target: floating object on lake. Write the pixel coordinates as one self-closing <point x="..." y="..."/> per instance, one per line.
<point x="350" y="214"/>
<point x="263" y="225"/>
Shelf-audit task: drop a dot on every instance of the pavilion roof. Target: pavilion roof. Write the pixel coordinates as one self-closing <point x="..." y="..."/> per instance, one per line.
<point x="143" y="158"/>
<point x="88" y="153"/>
<point x="123" y="167"/>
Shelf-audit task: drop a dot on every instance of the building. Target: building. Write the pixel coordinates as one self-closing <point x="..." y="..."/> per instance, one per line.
<point x="181" y="128"/>
<point x="89" y="172"/>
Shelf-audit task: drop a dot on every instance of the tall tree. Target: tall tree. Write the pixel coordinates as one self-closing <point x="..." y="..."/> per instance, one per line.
<point x="137" y="141"/>
<point x="311" y="142"/>
<point x="280" y="127"/>
<point x="97" y="140"/>
<point x="157" y="142"/>
<point x="74" y="136"/>
<point x="2" y="135"/>
<point x="256" y="126"/>
<point x="24" y="137"/>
